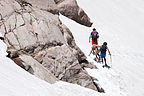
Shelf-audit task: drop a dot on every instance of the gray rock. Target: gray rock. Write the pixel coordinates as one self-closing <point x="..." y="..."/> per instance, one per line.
<point x="47" y="5"/>
<point x="8" y="7"/>
<point x="64" y="65"/>
<point x="38" y="70"/>
<point x="32" y="33"/>
<point x="70" y="9"/>
<point x="33" y="27"/>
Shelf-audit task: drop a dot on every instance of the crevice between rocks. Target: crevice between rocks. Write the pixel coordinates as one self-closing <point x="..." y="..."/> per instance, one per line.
<point x="34" y="48"/>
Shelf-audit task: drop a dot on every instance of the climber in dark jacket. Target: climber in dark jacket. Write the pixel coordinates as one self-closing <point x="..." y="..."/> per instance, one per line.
<point x="103" y="49"/>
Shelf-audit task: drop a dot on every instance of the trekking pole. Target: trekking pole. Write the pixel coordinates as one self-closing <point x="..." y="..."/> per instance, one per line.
<point x="111" y="60"/>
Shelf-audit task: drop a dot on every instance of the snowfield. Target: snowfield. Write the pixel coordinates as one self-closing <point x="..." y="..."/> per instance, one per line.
<point x="15" y="81"/>
<point x="120" y="24"/>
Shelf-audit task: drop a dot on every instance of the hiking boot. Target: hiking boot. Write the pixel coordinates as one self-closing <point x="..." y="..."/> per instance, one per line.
<point x="107" y="66"/>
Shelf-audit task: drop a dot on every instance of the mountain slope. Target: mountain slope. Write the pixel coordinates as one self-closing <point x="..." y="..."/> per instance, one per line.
<point x="120" y="23"/>
<point x="15" y="81"/>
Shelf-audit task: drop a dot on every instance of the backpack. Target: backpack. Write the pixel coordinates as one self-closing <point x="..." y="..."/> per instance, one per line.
<point x="103" y="49"/>
<point x="95" y="35"/>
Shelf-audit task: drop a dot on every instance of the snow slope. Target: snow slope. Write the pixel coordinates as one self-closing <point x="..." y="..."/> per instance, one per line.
<point x="14" y="81"/>
<point x="120" y="23"/>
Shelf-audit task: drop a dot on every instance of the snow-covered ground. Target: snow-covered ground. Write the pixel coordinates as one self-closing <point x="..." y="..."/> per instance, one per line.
<point x="15" y="81"/>
<point x="118" y="22"/>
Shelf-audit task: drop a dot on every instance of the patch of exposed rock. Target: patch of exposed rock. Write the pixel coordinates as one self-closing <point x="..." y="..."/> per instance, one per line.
<point x="32" y="66"/>
<point x="70" y="9"/>
<point x="47" y="5"/>
<point x="38" y="70"/>
<point x="44" y="43"/>
<point x="64" y="65"/>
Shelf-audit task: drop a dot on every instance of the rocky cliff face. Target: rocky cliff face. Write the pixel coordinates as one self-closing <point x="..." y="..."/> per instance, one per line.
<point x="33" y="28"/>
<point x="70" y="9"/>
